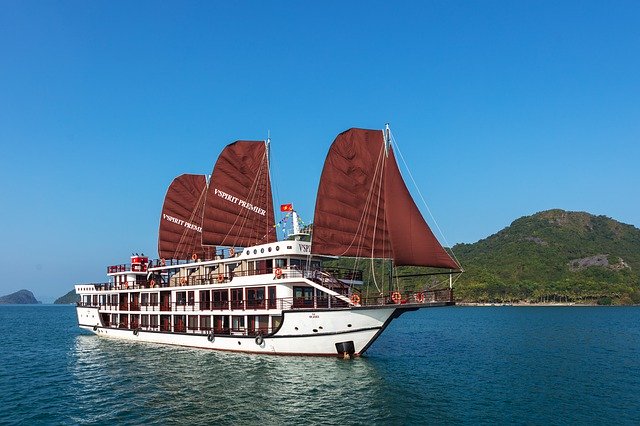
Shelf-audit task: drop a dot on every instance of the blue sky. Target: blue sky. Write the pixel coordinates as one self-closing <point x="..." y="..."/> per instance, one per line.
<point x="501" y="109"/>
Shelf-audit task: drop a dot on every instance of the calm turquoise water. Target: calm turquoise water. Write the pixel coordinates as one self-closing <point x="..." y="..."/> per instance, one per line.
<point x="446" y="365"/>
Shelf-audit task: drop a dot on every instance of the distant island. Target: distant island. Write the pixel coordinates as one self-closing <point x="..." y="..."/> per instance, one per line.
<point x="67" y="299"/>
<point x="21" y="297"/>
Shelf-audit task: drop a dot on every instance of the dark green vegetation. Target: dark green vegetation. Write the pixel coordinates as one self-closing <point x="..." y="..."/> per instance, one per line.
<point x="21" y="297"/>
<point x="554" y="256"/>
<point x="551" y="256"/>
<point x="69" y="298"/>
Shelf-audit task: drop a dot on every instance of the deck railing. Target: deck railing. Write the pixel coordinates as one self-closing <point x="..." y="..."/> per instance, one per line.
<point x="280" y="304"/>
<point x="331" y="276"/>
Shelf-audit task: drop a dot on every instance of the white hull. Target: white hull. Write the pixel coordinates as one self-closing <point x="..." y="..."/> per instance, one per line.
<point x="305" y="332"/>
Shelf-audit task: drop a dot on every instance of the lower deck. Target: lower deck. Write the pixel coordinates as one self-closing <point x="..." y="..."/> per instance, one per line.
<point x="248" y="311"/>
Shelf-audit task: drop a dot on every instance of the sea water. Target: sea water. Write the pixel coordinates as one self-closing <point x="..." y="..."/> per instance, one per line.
<point x="524" y="365"/>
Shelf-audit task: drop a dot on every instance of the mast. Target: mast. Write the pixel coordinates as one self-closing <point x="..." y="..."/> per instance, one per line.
<point x="387" y="139"/>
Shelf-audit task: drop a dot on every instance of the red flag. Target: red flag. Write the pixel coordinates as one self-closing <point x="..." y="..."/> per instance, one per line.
<point x="286" y="207"/>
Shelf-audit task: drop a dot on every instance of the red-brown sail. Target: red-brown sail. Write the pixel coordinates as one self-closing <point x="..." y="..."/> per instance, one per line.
<point x="411" y="238"/>
<point x="181" y="219"/>
<point x="364" y="209"/>
<point x="349" y="220"/>
<point x="239" y="206"/>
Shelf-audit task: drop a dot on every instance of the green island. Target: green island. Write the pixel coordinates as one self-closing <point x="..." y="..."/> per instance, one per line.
<point x="553" y="256"/>
<point x="20" y="297"/>
<point x="69" y="298"/>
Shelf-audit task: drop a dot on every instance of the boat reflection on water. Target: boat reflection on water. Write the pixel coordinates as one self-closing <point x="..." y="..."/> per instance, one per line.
<point x="142" y="383"/>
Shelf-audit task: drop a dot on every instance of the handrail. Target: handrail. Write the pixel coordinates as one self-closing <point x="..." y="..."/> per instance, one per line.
<point x="329" y="275"/>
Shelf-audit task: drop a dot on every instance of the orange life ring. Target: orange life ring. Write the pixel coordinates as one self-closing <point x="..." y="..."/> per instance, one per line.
<point x="419" y="297"/>
<point x="194" y="256"/>
<point x="396" y="297"/>
<point x="183" y="280"/>
<point x="355" y="299"/>
<point x="278" y="272"/>
<point x="220" y="278"/>
<point x="152" y="283"/>
<point x="163" y="262"/>
<point x="232" y="252"/>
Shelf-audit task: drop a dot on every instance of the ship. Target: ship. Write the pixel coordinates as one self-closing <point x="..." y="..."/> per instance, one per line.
<point x="223" y="281"/>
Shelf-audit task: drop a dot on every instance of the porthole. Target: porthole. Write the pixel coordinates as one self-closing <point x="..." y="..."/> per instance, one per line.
<point x="269" y="249"/>
<point x="315" y="330"/>
<point x="262" y="250"/>
<point x="296" y="328"/>
<point x="248" y="252"/>
<point x="348" y="325"/>
<point x="277" y="248"/>
<point x="239" y="342"/>
<point x="320" y="328"/>
<point x="255" y="251"/>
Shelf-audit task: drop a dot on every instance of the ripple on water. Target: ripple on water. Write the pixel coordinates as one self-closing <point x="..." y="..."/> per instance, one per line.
<point x="454" y="365"/>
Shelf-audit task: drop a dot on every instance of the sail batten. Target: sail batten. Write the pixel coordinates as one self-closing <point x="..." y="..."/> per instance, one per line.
<point x="364" y="209"/>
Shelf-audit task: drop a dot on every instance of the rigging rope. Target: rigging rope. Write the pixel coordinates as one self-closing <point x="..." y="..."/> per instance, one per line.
<point x="424" y="202"/>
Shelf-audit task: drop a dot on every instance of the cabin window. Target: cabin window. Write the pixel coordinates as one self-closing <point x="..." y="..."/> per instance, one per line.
<point x="135" y="321"/>
<point x="165" y="301"/>
<point x="165" y="322"/>
<point x="322" y="299"/>
<point x="275" y="322"/>
<point x="153" y="321"/>
<point x="205" y="300"/>
<point x="237" y="298"/>
<point x="144" y="321"/>
<point x="303" y="297"/>
<point x="205" y="322"/>
<point x="179" y="323"/>
<point x="220" y="299"/>
<point x="103" y="299"/>
<point x="237" y="322"/>
<point x="221" y="324"/>
<point x="193" y="322"/>
<point x="114" y="318"/>
<point x="154" y="299"/>
<point x="258" y="324"/>
<point x="272" y="297"/>
<point x="114" y="300"/>
<point x="281" y="263"/>
<point x="255" y="298"/>
<point x="251" y="267"/>
<point x="135" y="302"/>
<point x="316" y="264"/>
<point x="181" y="298"/>
<point x="124" y="303"/>
<point x="295" y="263"/>
<point x="191" y="298"/>
<point x="144" y="299"/>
